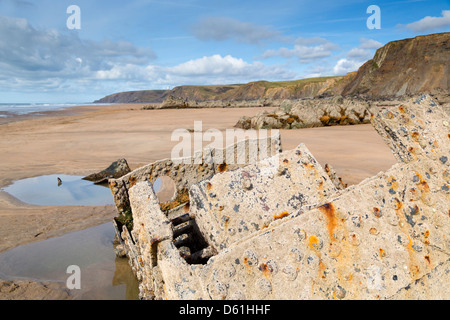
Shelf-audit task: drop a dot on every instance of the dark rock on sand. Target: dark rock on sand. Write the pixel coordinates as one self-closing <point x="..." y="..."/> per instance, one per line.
<point x="116" y="170"/>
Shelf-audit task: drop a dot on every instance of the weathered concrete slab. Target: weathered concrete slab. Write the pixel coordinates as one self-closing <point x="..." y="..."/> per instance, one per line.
<point x="385" y="238"/>
<point x="190" y="170"/>
<point x="233" y="205"/>
<point x="367" y="243"/>
<point x="419" y="130"/>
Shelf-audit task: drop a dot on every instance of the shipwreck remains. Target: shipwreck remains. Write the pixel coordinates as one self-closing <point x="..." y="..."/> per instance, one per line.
<point x="286" y="228"/>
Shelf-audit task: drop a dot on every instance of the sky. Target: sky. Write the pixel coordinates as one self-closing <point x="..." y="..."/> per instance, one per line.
<point x="50" y="54"/>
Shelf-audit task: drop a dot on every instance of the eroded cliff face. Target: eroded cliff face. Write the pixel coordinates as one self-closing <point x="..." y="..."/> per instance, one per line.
<point x="297" y="89"/>
<point x="405" y="67"/>
<point x="400" y="68"/>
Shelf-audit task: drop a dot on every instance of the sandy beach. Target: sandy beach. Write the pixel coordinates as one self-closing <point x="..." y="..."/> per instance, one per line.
<point x="82" y="140"/>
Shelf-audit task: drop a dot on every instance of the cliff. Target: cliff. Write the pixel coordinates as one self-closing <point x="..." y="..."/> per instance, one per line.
<point x="400" y="68"/>
<point x="155" y="96"/>
<point x="304" y="88"/>
<point x="405" y="67"/>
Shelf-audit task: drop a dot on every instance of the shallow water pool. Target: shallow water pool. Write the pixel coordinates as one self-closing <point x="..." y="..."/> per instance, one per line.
<point x="103" y="275"/>
<point x="71" y="191"/>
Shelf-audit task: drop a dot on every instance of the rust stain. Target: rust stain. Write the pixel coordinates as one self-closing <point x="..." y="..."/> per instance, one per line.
<point x="132" y="181"/>
<point x="308" y="165"/>
<point x="393" y="182"/>
<point x="186" y="207"/>
<point x="414" y="193"/>
<point x="322" y="270"/>
<point x="264" y="268"/>
<point x="226" y="223"/>
<point x="248" y="264"/>
<point x="413" y="268"/>
<point x="313" y="242"/>
<point x="285" y="161"/>
<point x="281" y="215"/>
<point x="382" y="253"/>
<point x="425" y="186"/>
<point x="209" y="185"/>
<point x="422" y="183"/>
<point x="321" y="185"/>
<point x="427" y="258"/>
<point x="415" y="136"/>
<point x="223" y="167"/>
<point x="436" y="144"/>
<point x="377" y="212"/>
<point x="329" y="211"/>
<point x="398" y="204"/>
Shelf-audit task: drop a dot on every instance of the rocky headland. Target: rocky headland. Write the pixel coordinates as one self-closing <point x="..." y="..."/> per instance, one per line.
<point x="399" y="70"/>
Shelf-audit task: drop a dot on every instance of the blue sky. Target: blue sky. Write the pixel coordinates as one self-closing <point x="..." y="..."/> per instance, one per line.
<point x="142" y="44"/>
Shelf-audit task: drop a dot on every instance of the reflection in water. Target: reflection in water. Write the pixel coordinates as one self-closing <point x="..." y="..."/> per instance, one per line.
<point x="103" y="275"/>
<point x="60" y="190"/>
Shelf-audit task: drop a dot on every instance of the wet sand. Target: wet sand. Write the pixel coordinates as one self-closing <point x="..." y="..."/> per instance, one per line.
<point x="82" y="140"/>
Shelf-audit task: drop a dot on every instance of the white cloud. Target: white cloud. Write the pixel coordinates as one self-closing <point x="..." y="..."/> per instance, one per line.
<point x="343" y="66"/>
<point x="305" y="49"/>
<point x="47" y="60"/>
<point x="356" y="57"/>
<point x="224" y="28"/>
<point x="369" y="44"/>
<point x="431" y="23"/>
<point x="213" y="69"/>
<point x="215" y="64"/>
<point x="47" y="53"/>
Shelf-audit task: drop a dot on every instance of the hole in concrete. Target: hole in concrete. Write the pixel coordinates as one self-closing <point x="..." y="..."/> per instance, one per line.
<point x="164" y="188"/>
<point x="187" y="236"/>
<point x="190" y="241"/>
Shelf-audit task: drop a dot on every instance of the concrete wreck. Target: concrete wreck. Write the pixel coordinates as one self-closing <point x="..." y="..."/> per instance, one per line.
<point x="283" y="227"/>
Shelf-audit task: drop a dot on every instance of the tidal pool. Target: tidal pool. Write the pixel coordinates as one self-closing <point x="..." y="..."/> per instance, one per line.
<point x="103" y="275"/>
<point x="70" y="191"/>
<point x="61" y="189"/>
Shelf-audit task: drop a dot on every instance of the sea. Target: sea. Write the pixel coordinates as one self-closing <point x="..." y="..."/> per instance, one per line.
<point x="15" y="109"/>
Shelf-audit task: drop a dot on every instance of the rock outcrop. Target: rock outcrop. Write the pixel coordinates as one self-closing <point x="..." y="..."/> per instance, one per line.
<point x="309" y="113"/>
<point x="285" y="228"/>
<point x="115" y="170"/>
<point x="405" y="67"/>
